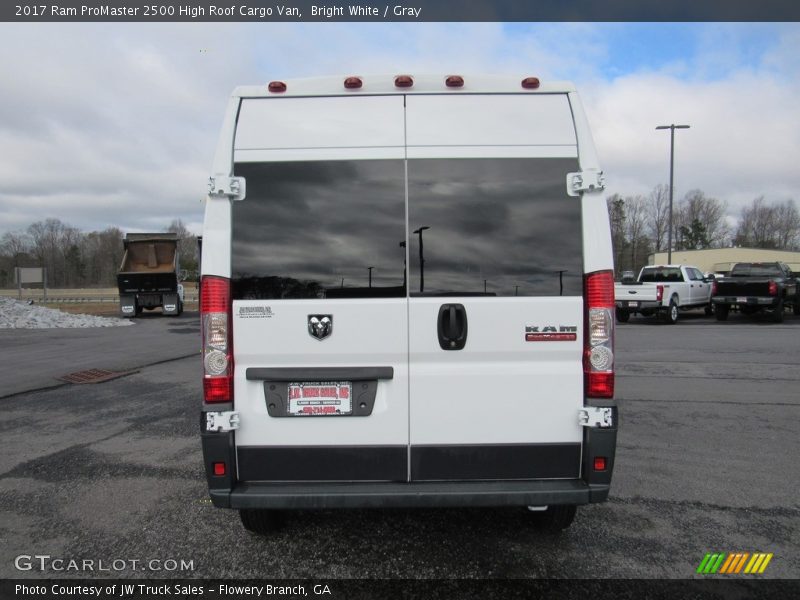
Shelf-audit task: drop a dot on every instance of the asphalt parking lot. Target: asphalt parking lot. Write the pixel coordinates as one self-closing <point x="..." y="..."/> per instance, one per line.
<point x="706" y="462"/>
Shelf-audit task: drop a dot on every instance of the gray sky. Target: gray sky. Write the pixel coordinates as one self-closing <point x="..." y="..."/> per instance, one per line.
<point x="116" y="124"/>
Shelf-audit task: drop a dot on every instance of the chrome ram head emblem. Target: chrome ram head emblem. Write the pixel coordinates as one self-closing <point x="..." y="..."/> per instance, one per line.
<point x="320" y="326"/>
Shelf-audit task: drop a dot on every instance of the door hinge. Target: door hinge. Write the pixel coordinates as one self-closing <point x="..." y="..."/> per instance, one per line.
<point x="596" y="416"/>
<point x="590" y="180"/>
<point x="222" y="421"/>
<point x="232" y="187"/>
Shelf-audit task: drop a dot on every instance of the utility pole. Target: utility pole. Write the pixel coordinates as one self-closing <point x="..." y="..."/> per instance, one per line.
<point x="672" y="129"/>
<point x="421" y="259"/>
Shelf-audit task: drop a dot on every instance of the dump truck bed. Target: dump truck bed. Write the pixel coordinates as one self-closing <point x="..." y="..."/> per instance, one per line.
<point x="149" y="263"/>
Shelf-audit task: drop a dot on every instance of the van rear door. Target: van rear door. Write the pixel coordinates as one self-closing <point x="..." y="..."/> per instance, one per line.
<point x="495" y="284"/>
<point x="319" y="290"/>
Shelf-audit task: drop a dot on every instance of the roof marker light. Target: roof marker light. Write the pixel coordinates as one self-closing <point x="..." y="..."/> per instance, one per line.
<point x="455" y="81"/>
<point x="530" y="83"/>
<point x="403" y="81"/>
<point x="353" y="83"/>
<point x="276" y="87"/>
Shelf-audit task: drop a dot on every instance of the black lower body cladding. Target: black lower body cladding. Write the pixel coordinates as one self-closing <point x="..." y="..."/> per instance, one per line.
<point x="352" y="476"/>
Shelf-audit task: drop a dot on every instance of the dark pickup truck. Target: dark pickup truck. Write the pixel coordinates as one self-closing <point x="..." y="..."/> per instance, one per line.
<point x="755" y="287"/>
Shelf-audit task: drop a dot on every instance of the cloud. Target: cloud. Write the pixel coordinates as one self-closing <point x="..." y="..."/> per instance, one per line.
<point x="743" y="140"/>
<point x="116" y="124"/>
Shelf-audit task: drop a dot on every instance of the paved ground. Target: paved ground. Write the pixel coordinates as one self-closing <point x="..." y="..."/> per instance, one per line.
<point x="707" y="461"/>
<point x="32" y="359"/>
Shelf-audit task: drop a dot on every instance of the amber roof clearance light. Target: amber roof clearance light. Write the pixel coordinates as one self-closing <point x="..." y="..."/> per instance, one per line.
<point x="353" y="83"/>
<point x="530" y="83"/>
<point x="403" y="81"/>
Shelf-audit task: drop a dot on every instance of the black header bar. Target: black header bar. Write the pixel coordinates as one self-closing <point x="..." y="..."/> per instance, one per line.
<point x="399" y="11"/>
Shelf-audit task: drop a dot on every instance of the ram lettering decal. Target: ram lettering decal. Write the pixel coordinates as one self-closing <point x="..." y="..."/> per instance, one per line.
<point x="551" y="333"/>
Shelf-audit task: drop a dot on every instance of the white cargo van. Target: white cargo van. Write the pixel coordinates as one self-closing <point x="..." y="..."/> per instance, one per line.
<point x="407" y="299"/>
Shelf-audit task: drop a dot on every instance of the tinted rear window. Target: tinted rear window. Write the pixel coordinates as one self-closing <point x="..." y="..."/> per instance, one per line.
<point x="321" y="229"/>
<point x="494" y="227"/>
<point x="314" y="229"/>
<point x="661" y="274"/>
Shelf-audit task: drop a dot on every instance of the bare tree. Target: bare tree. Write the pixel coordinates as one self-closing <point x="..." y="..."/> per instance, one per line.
<point x="102" y="254"/>
<point x="700" y="222"/>
<point x="616" y="213"/>
<point x="14" y="249"/>
<point x="56" y="245"/>
<point x="763" y="225"/>
<point x="187" y="245"/>
<point x="45" y="235"/>
<point x="658" y="216"/>
<point x="635" y="230"/>
<point x="787" y="225"/>
<point x="13" y="245"/>
<point x="755" y="225"/>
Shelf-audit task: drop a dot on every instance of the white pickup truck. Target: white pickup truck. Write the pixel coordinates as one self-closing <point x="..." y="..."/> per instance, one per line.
<point x="663" y="290"/>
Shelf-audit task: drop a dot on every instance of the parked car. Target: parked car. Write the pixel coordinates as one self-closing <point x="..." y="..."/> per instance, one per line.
<point x="757" y="287"/>
<point x="663" y="290"/>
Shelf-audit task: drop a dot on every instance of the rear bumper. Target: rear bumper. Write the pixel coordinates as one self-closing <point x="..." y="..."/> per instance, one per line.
<point x="762" y="301"/>
<point x="423" y="494"/>
<point x="541" y="487"/>
<point x="641" y="305"/>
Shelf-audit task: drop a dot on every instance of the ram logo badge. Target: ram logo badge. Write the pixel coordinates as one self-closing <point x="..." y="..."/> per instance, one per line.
<point x="320" y="326"/>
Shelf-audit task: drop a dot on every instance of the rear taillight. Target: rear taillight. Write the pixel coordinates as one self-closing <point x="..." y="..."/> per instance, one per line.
<point x="659" y="292"/>
<point x="713" y="288"/>
<point x="215" y="322"/>
<point x="773" y="288"/>
<point x="598" y="345"/>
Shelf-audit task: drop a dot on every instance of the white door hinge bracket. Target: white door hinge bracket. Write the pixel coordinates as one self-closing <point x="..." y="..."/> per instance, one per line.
<point x="232" y="187"/>
<point x="590" y="180"/>
<point x="222" y="421"/>
<point x="596" y="416"/>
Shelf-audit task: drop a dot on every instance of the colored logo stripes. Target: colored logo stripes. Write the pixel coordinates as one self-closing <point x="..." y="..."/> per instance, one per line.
<point x="734" y="563"/>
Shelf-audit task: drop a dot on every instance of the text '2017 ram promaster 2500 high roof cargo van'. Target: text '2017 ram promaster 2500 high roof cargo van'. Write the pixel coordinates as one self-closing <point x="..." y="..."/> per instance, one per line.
<point x="407" y="299"/>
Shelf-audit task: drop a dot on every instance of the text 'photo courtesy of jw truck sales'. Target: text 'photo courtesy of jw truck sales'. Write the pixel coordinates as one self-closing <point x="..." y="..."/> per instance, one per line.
<point x="407" y="299"/>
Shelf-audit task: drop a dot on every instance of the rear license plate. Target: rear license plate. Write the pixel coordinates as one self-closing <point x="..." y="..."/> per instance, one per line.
<point x="633" y="304"/>
<point x="329" y="398"/>
<point x="741" y="300"/>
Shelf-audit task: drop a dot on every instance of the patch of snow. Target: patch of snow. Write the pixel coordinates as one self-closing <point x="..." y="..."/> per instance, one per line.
<point x="21" y="315"/>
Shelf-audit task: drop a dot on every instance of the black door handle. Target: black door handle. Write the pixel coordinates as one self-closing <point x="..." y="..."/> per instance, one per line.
<point x="452" y="326"/>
